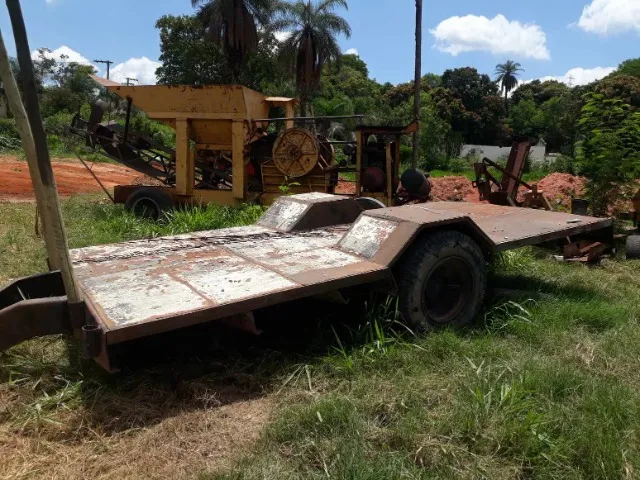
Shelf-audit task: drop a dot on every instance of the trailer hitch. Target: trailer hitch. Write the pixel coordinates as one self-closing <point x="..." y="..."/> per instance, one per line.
<point x="37" y="306"/>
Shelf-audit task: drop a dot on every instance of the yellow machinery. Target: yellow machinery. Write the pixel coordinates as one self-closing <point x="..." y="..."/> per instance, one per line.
<point x="227" y="149"/>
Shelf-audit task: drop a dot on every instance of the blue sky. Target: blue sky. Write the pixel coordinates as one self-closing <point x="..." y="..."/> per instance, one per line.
<point x="576" y="41"/>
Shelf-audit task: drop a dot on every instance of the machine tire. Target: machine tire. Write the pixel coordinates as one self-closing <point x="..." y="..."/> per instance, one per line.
<point x="633" y="247"/>
<point x="445" y="256"/>
<point x="368" y="203"/>
<point x="150" y="203"/>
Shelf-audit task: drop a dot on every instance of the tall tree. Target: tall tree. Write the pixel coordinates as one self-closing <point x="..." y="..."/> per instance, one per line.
<point x="312" y="42"/>
<point x="233" y="25"/>
<point x="185" y="56"/>
<point x="609" y="152"/>
<point x="629" y="67"/>
<point x="507" y="77"/>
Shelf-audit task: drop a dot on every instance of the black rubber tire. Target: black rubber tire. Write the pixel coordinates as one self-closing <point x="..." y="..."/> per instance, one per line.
<point x="633" y="247"/>
<point x="424" y="301"/>
<point x="368" y="203"/>
<point x="151" y="203"/>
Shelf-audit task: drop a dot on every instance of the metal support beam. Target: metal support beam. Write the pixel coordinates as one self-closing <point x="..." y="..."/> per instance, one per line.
<point x="183" y="185"/>
<point x="239" y="171"/>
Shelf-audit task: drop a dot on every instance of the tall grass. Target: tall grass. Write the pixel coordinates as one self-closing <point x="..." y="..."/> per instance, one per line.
<point x="545" y="385"/>
<point x="96" y="222"/>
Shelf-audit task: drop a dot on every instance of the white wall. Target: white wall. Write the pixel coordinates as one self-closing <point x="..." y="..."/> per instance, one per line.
<point x="537" y="154"/>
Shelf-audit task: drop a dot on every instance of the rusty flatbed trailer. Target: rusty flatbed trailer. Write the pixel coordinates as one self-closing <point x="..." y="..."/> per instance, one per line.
<point x="432" y="255"/>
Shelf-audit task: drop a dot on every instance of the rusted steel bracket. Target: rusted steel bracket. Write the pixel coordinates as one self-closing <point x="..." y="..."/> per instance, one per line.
<point x="36" y="286"/>
<point x="33" y="318"/>
<point x="33" y="307"/>
<point x="37" y="306"/>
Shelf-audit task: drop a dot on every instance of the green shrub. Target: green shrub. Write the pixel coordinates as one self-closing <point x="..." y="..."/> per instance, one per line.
<point x="158" y="132"/>
<point x="56" y="146"/>
<point x="60" y="99"/>
<point x="9" y="136"/>
<point x="8" y="128"/>
<point x="8" y="144"/>
<point x="458" y="165"/>
<point x="58" y="123"/>
<point x="406" y="152"/>
<point x="563" y="164"/>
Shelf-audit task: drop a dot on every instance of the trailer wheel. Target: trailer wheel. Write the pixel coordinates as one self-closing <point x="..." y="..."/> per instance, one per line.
<point x="633" y="247"/>
<point x="442" y="282"/>
<point x="150" y="203"/>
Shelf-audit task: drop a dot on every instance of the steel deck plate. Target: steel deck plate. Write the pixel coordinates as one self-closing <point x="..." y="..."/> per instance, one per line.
<point x="137" y="283"/>
<point x="504" y="227"/>
<point x="138" y="288"/>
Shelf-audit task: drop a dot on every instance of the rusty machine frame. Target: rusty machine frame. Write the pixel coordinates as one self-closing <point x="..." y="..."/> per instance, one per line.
<point x="505" y="190"/>
<point x="228" y="149"/>
<point x="314" y="245"/>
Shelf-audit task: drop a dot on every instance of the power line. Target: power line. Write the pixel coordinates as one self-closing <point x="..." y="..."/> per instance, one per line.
<point x="107" y="62"/>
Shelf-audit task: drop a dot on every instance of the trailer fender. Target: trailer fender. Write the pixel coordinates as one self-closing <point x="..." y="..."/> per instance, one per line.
<point x="384" y="240"/>
<point x="309" y="211"/>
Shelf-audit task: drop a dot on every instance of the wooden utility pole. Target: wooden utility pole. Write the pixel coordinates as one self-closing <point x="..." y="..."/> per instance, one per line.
<point x="418" y="81"/>
<point x="22" y="123"/>
<point x="107" y="62"/>
<point x="56" y="236"/>
<point x="130" y="80"/>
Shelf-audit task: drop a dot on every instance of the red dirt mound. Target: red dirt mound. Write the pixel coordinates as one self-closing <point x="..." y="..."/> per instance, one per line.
<point x="71" y="177"/>
<point x="453" y="189"/>
<point x="559" y="188"/>
<point x="346" y="188"/>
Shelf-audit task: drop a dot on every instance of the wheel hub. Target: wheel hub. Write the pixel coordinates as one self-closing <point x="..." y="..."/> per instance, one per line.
<point x="447" y="289"/>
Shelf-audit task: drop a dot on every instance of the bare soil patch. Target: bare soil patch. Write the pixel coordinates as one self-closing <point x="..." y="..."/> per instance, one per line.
<point x="71" y="177"/>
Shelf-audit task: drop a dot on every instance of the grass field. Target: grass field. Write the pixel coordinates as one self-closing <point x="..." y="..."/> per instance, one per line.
<point x="546" y="384"/>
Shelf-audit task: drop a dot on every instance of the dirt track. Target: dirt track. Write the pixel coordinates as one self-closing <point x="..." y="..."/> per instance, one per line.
<point x="71" y="178"/>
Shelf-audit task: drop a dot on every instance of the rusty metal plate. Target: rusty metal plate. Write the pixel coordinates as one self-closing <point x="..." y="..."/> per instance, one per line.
<point x="504" y="227"/>
<point x="146" y="286"/>
<point x="367" y="236"/>
<point x="310" y="211"/>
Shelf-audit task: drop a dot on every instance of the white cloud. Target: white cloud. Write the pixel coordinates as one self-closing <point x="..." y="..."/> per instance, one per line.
<point x="72" y="55"/>
<point x="352" y="51"/>
<point x="498" y="35"/>
<point x="610" y="16"/>
<point x="282" y="36"/>
<point x="142" y="69"/>
<point x="578" y="76"/>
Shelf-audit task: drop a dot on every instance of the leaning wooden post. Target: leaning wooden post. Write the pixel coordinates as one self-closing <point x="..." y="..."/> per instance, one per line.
<point x="418" y="81"/>
<point x="22" y="123"/>
<point x="56" y="236"/>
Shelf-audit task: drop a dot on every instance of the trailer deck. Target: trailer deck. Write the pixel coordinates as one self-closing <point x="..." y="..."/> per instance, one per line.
<point x="147" y="286"/>
<point x="303" y="246"/>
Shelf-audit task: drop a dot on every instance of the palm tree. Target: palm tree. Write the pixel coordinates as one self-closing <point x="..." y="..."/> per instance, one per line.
<point x="233" y="25"/>
<point x="334" y="107"/>
<point x="507" y="77"/>
<point x="312" y="41"/>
